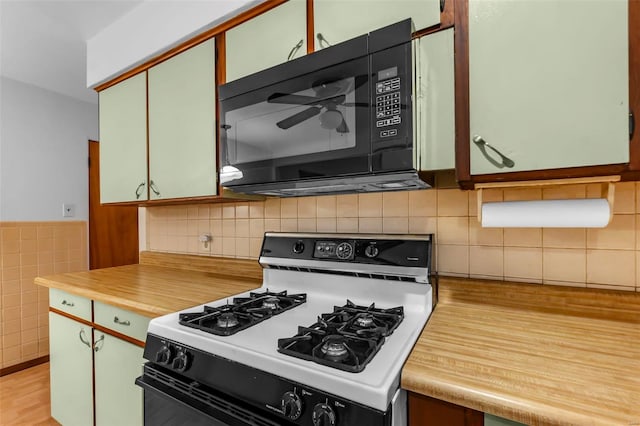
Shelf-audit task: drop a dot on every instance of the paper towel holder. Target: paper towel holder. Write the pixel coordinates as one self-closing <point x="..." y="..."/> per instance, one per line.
<point x="607" y="188"/>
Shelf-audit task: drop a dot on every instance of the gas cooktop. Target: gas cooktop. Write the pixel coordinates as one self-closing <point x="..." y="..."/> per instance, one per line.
<point x="244" y="312"/>
<point x="348" y="338"/>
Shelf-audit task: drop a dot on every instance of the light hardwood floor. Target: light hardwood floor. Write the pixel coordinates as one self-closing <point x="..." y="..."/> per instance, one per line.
<point x="24" y="397"/>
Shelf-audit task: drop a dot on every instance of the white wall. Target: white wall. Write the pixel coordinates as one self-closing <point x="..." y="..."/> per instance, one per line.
<point x="43" y="152"/>
<point x="150" y="29"/>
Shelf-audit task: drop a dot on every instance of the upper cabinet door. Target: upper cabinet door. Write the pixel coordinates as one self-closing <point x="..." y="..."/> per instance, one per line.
<point x="269" y="39"/>
<point x="182" y="114"/>
<point x="123" y="141"/>
<point x="434" y="101"/>
<point x="548" y="84"/>
<point x="339" y="20"/>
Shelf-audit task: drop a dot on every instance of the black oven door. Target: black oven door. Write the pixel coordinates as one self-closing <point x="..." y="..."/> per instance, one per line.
<point x="313" y="125"/>
<point x="172" y="400"/>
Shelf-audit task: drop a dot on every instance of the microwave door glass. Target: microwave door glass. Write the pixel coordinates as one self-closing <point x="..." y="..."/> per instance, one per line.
<point x="313" y="120"/>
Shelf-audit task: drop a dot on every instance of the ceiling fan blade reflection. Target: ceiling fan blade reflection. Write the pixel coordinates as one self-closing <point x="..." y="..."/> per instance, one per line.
<point x="298" y="118"/>
<point x="343" y="128"/>
<point x="285" y="98"/>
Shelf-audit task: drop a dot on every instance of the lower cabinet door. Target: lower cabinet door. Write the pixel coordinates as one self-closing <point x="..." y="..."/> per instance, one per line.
<point x="71" y="378"/>
<point x="117" y="365"/>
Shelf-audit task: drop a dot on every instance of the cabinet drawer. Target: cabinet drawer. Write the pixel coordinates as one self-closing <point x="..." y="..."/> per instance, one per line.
<point x="121" y="320"/>
<point x="77" y="306"/>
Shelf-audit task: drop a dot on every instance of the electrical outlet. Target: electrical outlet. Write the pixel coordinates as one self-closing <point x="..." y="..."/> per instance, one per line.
<point x="68" y="210"/>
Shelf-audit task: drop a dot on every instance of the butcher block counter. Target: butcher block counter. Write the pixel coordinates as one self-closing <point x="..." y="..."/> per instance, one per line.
<point x="540" y="355"/>
<point x="162" y="283"/>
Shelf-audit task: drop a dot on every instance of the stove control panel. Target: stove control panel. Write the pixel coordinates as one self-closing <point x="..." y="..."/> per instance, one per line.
<point x="384" y="250"/>
<point x="342" y="250"/>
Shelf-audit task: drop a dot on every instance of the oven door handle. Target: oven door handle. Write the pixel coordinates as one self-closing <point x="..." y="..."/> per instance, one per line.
<point x="239" y="414"/>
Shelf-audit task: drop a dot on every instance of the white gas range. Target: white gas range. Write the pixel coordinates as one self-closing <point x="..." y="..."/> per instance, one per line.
<point x="322" y="342"/>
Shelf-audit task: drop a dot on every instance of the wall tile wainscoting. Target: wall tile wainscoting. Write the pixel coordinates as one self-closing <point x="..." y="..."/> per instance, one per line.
<point x="27" y="250"/>
<point x="604" y="258"/>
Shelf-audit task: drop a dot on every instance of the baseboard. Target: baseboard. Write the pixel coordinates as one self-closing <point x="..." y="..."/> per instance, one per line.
<point x="23" y="365"/>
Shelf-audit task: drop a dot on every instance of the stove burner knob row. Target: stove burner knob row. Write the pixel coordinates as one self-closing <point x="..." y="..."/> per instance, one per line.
<point x="323" y="415"/>
<point x="181" y="361"/>
<point x="164" y="355"/>
<point x="291" y="405"/>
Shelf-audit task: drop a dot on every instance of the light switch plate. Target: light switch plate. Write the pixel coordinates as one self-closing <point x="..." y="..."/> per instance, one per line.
<point x="68" y="210"/>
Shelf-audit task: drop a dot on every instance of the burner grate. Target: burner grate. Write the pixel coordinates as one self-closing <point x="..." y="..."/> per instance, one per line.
<point x="346" y="339"/>
<point x="243" y="313"/>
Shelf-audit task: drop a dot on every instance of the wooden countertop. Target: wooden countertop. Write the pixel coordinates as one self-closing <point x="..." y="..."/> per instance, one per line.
<point x="540" y="355"/>
<point x="161" y="284"/>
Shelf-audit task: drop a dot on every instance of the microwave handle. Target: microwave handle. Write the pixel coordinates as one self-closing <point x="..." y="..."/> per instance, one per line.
<point x="295" y="49"/>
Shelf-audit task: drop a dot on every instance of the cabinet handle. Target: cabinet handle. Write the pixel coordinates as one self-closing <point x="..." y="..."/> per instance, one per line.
<point x="482" y="144"/>
<point x="69" y="304"/>
<point x="138" y="190"/>
<point x="96" y="348"/>
<point x="295" y="49"/>
<point x="442" y="4"/>
<point x="322" y="41"/>
<point x="86" y="342"/>
<point x="119" y="321"/>
<point x="632" y="124"/>
<point x="153" y="188"/>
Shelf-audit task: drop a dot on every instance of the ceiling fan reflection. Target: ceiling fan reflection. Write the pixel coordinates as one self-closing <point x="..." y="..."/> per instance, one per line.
<point x="327" y="99"/>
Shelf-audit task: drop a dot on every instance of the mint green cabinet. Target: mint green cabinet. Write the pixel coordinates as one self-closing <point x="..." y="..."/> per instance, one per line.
<point x="548" y="84"/>
<point x="71" y="359"/>
<point x="434" y="102"/>
<point x="269" y="39"/>
<point x="85" y="361"/>
<point x="175" y="100"/>
<point x="182" y="114"/>
<point x="123" y="141"/>
<point x="339" y="20"/>
<point x="117" y="364"/>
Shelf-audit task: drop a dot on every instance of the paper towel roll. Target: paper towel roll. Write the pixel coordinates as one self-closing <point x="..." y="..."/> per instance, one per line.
<point x="582" y="213"/>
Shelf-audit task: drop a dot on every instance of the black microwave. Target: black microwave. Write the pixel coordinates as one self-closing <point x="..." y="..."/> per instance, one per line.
<point x="335" y="121"/>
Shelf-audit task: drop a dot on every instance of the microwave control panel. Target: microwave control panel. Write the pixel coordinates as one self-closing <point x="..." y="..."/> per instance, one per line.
<point x="391" y="98"/>
<point x="388" y="107"/>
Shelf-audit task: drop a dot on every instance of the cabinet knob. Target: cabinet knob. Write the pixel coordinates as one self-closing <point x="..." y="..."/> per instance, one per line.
<point x="483" y="145"/>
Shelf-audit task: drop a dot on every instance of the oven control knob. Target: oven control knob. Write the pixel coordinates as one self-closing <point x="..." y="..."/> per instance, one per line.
<point x="291" y="405"/>
<point x="181" y="361"/>
<point x="323" y="415"/>
<point x="298" y="247"/>
<point x="371" y="251"/>
<point x="344" y="251"/>
<point x="164" y="355"/>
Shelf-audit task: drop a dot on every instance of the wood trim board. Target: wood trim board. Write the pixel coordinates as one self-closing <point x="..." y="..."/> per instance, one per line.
<point x="23" y="365"/>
